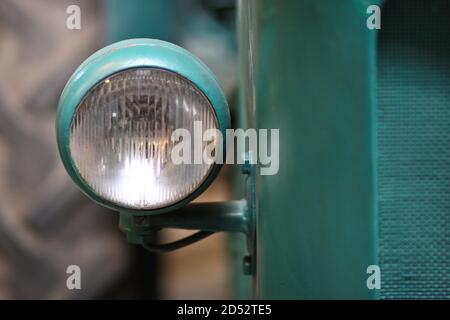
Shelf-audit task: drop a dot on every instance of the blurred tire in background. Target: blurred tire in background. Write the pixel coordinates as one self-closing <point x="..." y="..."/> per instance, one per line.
<point x="46" y="223"/>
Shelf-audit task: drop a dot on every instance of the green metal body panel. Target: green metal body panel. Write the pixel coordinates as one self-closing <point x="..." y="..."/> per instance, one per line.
<point x="132" y="54"/>
<point x="308" y="68"/>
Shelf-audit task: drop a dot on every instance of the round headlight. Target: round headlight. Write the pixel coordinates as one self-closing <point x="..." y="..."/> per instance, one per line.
<point x="120" y="138"/>
<point x="116" y="118"/>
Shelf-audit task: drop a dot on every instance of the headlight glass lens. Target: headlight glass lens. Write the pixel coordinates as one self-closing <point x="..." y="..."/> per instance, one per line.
<point x="120" y="139"/>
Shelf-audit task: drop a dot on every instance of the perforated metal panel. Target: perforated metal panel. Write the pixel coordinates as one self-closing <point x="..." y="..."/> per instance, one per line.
<point x="414" y="149"/>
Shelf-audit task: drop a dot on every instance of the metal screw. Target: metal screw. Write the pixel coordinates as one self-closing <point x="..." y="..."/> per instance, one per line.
<point x="247" y="265"/>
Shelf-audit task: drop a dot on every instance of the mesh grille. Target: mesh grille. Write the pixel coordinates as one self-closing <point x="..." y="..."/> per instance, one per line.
<point x="414" y="149"/>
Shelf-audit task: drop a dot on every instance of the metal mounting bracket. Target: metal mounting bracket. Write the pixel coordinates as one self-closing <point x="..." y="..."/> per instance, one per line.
<point x="229" y="216"/>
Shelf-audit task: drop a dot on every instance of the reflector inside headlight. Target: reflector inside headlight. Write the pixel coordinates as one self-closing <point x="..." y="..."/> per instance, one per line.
<point x="120" y="137"/>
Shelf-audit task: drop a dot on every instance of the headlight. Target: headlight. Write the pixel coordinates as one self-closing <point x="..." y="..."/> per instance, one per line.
<point x="116" y="118"/>
<point x="120" y="138"/>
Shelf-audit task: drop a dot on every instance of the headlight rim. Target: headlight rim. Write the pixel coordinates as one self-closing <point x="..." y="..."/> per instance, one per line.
<point x="136" y="53"/>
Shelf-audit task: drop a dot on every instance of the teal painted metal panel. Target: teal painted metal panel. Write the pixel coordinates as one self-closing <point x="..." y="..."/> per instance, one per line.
<point x="308" y="68"/>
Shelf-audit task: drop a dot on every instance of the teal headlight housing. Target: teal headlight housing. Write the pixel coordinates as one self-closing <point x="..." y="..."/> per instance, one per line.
<point x="132" y="54"/>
